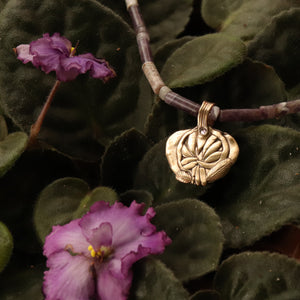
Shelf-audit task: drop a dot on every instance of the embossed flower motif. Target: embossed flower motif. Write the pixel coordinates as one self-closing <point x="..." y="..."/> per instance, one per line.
<point x="200" y="154"/>
<point x="92" y="257"/>
<point x="55" y="53"/>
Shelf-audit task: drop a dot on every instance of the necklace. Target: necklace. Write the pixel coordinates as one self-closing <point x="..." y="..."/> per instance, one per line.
<point x="200" y="155"/>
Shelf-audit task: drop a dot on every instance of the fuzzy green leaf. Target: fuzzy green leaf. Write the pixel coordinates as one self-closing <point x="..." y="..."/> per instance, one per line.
<point x="3" y="128"/>
<point x="264" y="183"/>
<point x="283" y="55"/>
<point x="121" y="158"/>
<point x="163" y="52"/>
<point x="11" y="149"/>
<point x="98" y="194"/>
<point x="6" y="246"/>
<point x="251" y="84"/>
<point x="21" y="285"/>
<point x="85" y="111"/>
<point x="140" y="196"/>
<point x="165" y="20"/>
<point x="196" y="234"/>
<point x="153" y="280"/>
<point x="258" y="276"/>
<point x="242" y="18"/>
<point x="203" y="59"/>
<point x="155" y="176"/>
<point x="2" y="3"/>
<point x="206" y="295"/>
<point x="57" y="203"/>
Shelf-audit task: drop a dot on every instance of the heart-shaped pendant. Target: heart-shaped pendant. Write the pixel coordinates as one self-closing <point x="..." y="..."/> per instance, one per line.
<point x="201" y="155"/>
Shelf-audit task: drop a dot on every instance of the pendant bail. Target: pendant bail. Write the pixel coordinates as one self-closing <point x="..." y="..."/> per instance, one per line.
<point x="203" y="113"/>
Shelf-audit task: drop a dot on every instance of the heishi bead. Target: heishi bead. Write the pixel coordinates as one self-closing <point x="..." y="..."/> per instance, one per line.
<point x="137" y="21"/>
<point x="163" y="92"/>
<point x="143" y="45"/>
<point x="131" y="3"/>
<point x="180" y="102"/>
<point x="153" y="76"/>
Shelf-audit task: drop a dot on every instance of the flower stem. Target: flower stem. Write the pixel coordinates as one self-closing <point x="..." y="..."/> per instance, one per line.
<point x="36" y="127"/>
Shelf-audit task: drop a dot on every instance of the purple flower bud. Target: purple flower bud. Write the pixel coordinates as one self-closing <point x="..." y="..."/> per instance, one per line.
<point x="92" y="257"/>
<point x="55" y="53"/>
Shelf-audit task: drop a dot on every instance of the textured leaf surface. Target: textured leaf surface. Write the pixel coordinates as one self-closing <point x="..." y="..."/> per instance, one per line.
<point x="278" y="45"/>
<point x="3" y="128"/>
<point x="57" y="203"/>
<point x="196" y="234"/>
<point x="258" y="276"/>
<point x="6" y="246"/>
<point x="163" y="52"/>
<point x="206" y="295"/>
<point x="260" y="194"/>
<point x="11" y="149"/>
<point x="203" y="59"/>
<point x="155" y="176"/>
<point x="121" y="158"/>
<point x="140" y="196"/>
<point x="164" y="20"/>
<point x="242" y="18"/>
<point x="98" y="194"/>
<point x="153" y="280"/>
<point x="2" y="3"/>
<point x="86" y="110"/>
<point x="23" y="284"/>
<point x="250" y="84"/>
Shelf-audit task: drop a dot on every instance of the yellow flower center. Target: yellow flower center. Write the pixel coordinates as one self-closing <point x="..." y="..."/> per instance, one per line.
<point x="101" y="253"/>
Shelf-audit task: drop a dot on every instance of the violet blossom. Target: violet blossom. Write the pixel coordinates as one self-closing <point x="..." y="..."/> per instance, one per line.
<point x="92" y="257"/>
<point x="55" y="53"/>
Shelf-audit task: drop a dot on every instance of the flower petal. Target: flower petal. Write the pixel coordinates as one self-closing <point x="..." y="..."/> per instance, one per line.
<point x="75" y="65"/>
<point x="131" y="230"/>
<point x="69" y="277"/>
<point x="67" y="237"/>
<point x="48" y="51"/>
<point x="97" y="237"/>
<point x="112" y="285"/>
<point x="24" y="54"/>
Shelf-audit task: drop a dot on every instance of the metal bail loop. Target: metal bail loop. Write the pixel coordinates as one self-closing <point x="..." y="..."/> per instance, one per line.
<point x="203" y="113"/>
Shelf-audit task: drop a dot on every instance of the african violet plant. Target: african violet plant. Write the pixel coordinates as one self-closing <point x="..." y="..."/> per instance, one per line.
<point x="85" y="193"/>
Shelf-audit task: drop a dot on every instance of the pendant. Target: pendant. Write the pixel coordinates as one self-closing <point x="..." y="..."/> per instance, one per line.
<point x="201" y="155"/>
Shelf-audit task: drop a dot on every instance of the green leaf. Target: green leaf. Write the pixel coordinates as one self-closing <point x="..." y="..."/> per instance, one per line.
<point x="153" y="280"/>
<point x="258" y="276"/>
<point x="203" y="59"/>
<point x="282" y="56"/>
<point x="2" y="3"/>
<point x="140" y="196"/>
<point x="3" y="128"/>
<point x="154" y="175"/>
<point x="206" y="295"/>
<point x="23" y="284"/>
<point x="6" y="246"/>
<point x="196" y="234"/>
<point x="98" y="194"/>
<point x="84" y="112"/>
<point x="66" y="199"/>
<point x="19" y="189"/>
<point x="57" y="203"/>
<point x="164" y="51"/>
<point x="264" y="183"/>
<point x="242" y="18"/>
<point x="165" y="20"/>
<point x="11" y="149"/>
<point x="121" y="158"/>
<point x="249" y="85"/>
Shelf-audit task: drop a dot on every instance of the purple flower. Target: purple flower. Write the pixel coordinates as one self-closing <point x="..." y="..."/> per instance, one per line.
<point x="55" y="53"/>
<point x="92" y="257"/>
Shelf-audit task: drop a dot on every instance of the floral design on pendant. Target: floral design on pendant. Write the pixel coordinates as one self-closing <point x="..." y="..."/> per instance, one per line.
<point x="201" y="155"/>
